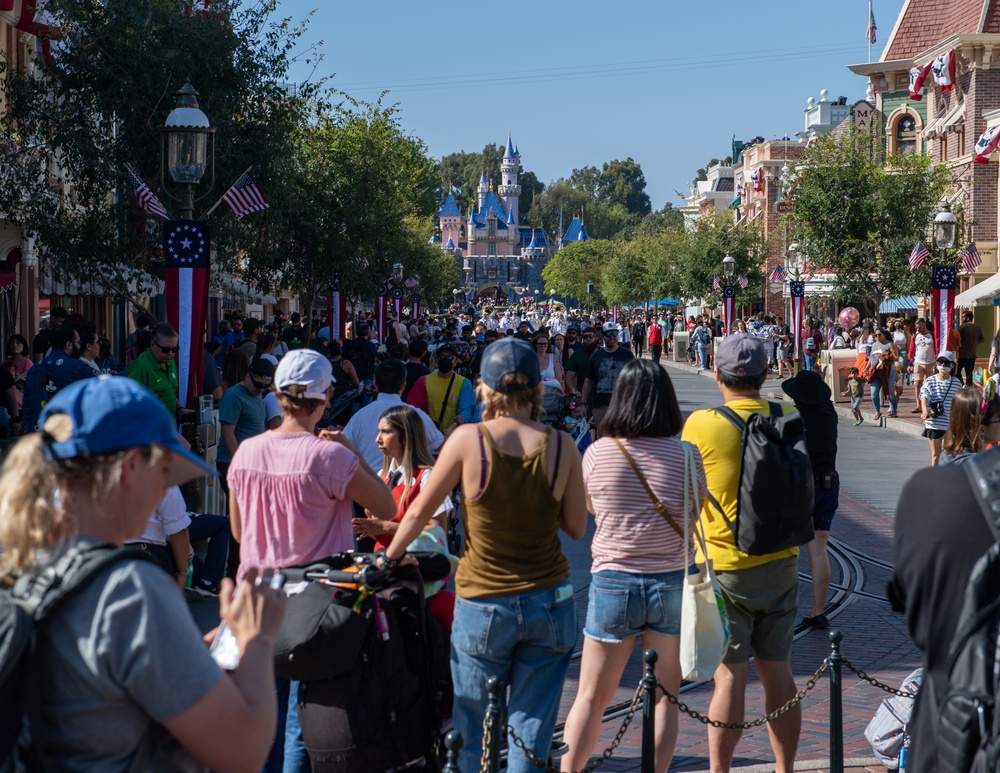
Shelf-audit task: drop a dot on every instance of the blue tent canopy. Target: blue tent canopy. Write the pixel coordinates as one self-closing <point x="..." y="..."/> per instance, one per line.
<point x="897" y="304"/>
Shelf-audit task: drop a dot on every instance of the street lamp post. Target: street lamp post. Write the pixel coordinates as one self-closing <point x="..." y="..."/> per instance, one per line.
<point x="728" y="293"/>
<point x="944" y="276"/>
<point x="187" y="145"/>
<point x="797" y="297"/>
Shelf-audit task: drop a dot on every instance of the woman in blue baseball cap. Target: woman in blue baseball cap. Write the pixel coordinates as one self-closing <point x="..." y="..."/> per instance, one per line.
<point x="120" y="675"/>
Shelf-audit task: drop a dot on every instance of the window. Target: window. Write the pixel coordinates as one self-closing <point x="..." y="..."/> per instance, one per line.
<point x="493" y="249"/>
<point x="961" y="142"/>
<point x="905" y="135"/>
<point x="493" y="226"/>
<point x="943" y="148"/>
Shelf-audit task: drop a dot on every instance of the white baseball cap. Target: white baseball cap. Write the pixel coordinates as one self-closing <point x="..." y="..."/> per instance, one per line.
<point x="304" y="367"/>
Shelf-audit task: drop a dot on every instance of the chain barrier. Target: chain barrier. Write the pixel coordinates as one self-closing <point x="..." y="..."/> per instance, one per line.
<point x="541" y="764"/>
<point x="876" y="683"/>
<point x="794" y="701"/>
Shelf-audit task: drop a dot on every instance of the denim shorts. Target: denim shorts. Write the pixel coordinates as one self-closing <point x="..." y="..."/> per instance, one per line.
<point x="622" y="605"/>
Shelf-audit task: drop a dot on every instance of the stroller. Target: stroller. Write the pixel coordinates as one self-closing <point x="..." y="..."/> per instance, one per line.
<point x="553" y="404"/>
<point x="383" y="706"/>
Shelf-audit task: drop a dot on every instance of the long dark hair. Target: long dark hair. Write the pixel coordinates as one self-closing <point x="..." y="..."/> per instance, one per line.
<point x="643" y="403"/>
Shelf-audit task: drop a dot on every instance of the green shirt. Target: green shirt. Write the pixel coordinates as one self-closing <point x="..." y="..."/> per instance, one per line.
<point x="161" y="382"/>
<point x="578" y="362"/>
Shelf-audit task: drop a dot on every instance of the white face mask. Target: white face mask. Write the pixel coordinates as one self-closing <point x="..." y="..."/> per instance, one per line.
<point x="944" y="369"/>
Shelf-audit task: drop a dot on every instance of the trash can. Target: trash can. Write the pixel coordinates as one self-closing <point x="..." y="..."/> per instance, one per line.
<point x="835" y="365"/>
<point x="680" y="347"/>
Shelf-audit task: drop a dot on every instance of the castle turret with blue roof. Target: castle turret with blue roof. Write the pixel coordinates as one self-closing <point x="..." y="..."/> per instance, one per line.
<point x="495" y="252"/>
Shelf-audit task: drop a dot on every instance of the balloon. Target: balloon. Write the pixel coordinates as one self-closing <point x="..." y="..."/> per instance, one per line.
<point x="849" y="318"/>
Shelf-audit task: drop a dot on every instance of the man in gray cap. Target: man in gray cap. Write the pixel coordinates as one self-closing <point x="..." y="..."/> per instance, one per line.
<point x="761" y="591"/>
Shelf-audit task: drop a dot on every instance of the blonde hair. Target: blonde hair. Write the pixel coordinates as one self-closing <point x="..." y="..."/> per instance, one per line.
<point x="294" y="405"/>
<point x="29" y="519"/>
<point x="495" y="402"/>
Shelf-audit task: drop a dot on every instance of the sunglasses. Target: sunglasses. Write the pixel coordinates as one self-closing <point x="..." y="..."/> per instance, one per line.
<point x="167" y="349"/>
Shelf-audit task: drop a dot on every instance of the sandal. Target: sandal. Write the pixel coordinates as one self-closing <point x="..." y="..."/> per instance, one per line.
<point x="893" y="415"/>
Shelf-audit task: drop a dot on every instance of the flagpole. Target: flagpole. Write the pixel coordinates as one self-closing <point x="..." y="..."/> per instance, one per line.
<point x="869" y="34"/>
<point x="205" y="216"/>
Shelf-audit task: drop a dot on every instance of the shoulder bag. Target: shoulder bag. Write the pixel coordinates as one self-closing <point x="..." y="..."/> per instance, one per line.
<point x="704" y="621"/>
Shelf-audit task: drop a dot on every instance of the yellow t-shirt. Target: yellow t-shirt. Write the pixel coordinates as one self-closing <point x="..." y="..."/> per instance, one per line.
<point x="719" y="443"/>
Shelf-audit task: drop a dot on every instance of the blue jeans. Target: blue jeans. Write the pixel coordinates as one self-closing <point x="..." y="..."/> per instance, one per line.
<point x="214" y="528"/>
<point x="702" y="356"/>
<point x="807" y="360"/>
<point x="288" y="754"/>
<point x="625" y="604"/>
<point x="526" y="640"/>
<point x="876" y="392"/>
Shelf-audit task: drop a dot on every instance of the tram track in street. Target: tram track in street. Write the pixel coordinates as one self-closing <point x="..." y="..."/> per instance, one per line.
<point x="850" y="587"/>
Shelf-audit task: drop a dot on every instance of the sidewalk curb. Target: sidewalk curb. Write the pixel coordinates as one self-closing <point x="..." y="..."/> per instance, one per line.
<point x="903" y="427"/>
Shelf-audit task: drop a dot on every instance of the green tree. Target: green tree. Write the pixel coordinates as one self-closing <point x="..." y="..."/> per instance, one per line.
<point x="626" y="276"/>
<point x="100" y="104"/>
<point x="859" y="214"/>
<point x="699" y="258"/>
<point x="576" y="264"/>
<point x="623" y="183"/>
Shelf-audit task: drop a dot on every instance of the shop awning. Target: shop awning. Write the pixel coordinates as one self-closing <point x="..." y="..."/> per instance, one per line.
<point x="942" y="123"/>
<point x="139" y="283"/>
<point x="247" y="293"/>
<point x="897" y="304"/>
<point x="981" y="294"/>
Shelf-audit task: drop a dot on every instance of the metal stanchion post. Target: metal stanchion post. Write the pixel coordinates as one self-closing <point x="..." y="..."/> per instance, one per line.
<point x="649" y="712"/>
<point x="494" y="713"/>
<point x="453" y="744"/>
<point x="836" y="704"/>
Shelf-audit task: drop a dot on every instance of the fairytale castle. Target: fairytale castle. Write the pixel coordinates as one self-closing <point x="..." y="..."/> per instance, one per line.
<point x="498" y="256"/>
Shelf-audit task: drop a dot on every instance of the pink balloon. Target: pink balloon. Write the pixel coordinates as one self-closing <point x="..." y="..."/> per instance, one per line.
<point x="849" y="318"/>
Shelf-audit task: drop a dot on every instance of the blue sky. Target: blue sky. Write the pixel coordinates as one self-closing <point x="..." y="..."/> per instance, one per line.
<point x="578" y="83"/>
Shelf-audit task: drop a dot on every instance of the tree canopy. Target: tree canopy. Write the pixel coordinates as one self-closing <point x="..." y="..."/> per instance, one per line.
<point x="859" y="214"/>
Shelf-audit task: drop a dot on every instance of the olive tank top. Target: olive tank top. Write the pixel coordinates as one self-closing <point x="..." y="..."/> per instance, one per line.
<point x="512" y="526"/>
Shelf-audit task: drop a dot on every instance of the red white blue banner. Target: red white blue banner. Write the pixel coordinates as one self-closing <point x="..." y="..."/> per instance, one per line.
<point x="943" y="281"/>
<point x="728" y="308"/>
<point x="797" y="290"/>
<point x="380" y="318"/>
<point x="186" y="250"/>
<point x="337" y="314"/>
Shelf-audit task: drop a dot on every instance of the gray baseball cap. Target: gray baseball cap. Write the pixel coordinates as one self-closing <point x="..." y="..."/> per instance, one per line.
<point x="741" y="355"/>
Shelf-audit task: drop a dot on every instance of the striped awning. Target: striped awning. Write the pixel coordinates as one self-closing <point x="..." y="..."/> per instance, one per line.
<point x="897" y="304"/>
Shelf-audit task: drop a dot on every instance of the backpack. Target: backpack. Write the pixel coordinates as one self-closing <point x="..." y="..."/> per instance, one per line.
<point x="774" y="505"/>
<point x="359" y="354"/>
<point x="810" y="343"/>
<point x="887" y="731"/>
<point x="703" y="337"/>
<point x="967" y="725"/>
<point x="21" y="610"/>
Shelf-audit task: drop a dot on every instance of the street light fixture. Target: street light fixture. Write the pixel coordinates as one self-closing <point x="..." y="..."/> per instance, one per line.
<point x="728" y="266"/>
<point x="397" y="272"/>
<point x="945" y="224"/>
<point x="187" y="143"/>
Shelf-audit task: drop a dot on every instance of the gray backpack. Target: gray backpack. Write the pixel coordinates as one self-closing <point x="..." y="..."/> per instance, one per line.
<point x="774" y="509"/>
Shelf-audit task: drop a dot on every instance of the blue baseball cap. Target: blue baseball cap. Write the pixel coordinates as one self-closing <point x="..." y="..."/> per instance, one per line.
<point x="114" y="413"/>
<point x="509" y="355"/>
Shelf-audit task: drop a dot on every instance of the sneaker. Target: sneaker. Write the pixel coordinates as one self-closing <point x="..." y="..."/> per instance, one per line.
<point x="207" y="589"/>
<point x="857" y="422"/>
<point x="861" y="420"/>
<point x="191" y="596"/>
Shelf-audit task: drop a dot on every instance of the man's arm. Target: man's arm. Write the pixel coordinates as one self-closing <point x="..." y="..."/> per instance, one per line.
<point x="229" y="438"/>
<point x="466" y="402"/>
<point x="180" y="544"/>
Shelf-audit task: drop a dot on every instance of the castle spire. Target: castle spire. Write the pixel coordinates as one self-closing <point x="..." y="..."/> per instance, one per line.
<point x="510" y="153"/>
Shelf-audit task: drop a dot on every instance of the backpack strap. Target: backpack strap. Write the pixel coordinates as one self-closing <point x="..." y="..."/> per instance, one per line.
<point x="729" y="414"/>
<point x="983" y="472"/>
<point x="71" y="573"/>
<point x="444" y="403"/>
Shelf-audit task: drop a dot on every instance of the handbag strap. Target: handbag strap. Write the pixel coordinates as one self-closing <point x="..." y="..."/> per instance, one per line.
<point x="656" y="502"/>
<point x="444" y="403"/>
<point x="691" y="508"/>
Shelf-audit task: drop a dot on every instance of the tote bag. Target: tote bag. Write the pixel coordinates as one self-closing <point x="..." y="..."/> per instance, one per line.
<point x="704" y="622"/>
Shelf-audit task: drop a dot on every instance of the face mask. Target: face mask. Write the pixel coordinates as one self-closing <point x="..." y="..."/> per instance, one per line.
<point x="445" y="364"/>
<point x="943" y="369"/>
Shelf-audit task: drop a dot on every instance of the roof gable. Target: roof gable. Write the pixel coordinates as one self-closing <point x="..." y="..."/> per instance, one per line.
<point x="450" y="208"/>
<point x="924" y="23"/>
<point x="575" y="232"/>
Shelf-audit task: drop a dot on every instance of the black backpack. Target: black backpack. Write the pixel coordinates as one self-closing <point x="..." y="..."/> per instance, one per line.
<point x="359" y="354"/>
<point x="774" y="509"/>
<point x="967" y="728"/>
<point x="22" y="608"/>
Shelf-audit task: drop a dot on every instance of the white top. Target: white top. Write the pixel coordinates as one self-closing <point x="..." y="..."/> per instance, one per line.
<point x="549" y="371"/>
<point x="169" y="517"/>
<point x="363" y="427"/>
<point x="923" y="348"/>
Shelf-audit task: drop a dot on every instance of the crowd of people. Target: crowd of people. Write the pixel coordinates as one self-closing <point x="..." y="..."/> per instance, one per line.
<point x="334" y="444"/>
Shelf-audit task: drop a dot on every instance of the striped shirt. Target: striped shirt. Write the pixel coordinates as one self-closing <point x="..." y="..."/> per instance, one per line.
<point x="631" y="534"/>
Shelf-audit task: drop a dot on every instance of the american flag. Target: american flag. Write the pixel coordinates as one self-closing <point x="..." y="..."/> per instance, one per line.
<point x="412" y="282"/>
<point x="742" y="281"/>
<point x="716" y="283"/>
<point x="777" y="274"/>
<point x="870" y="31"/>
<point x="245" y="197"/>
<point x="146" y="198"/>
<point x="970" y="257"/>
<point x="918" y="256"/>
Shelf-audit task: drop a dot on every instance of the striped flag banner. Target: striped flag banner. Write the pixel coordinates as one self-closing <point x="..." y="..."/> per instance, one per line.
<point x="415" y="302"/>
<point x="380" y="318"/>
<point x="245" y="196"/>
<point x="148" y="201"/>
<point x="742" y="281"/>
<point x="186" y="251"/>
<point x="797" y="290"/>
<point x="716" y="283"/>
<point x="412" y="282"/>
<point x="970" y="258"/>
<point x="777" y="274"/>
<point x="337" y="314"/>
<point x="728" y="308"/>
<point x="397" y="303"/>
<point x="943" y="281"/>
<point x="919" y="256"/>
